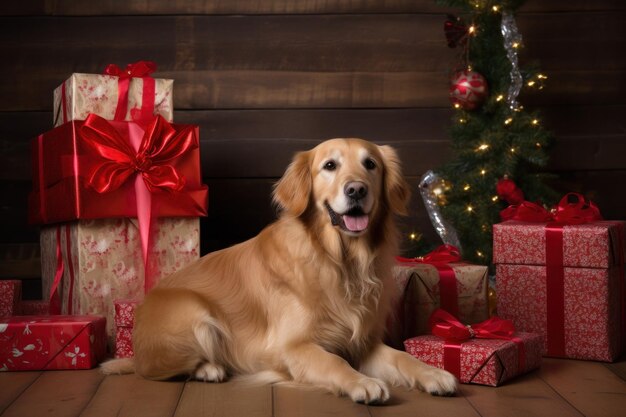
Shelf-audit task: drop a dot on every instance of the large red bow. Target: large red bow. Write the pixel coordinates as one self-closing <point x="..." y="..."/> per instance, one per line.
<point x="137" y="69"/>
<point x="149" y="158"/>
<point x="159" y="145"/>
<point x="443" y="254"/>
<point x="446" y="326"/>
<point x="573" y="208"/>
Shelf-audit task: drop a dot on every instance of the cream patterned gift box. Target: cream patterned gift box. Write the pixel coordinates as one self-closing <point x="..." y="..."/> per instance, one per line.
<point x="82" y="94"/>
<point x="102" y="261"/>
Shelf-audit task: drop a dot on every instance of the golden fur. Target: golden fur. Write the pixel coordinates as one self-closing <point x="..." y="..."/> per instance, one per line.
<point x="306" y="300"/>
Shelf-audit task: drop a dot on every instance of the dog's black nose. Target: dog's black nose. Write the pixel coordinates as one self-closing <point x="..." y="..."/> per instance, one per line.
<point x="355" y="190"/>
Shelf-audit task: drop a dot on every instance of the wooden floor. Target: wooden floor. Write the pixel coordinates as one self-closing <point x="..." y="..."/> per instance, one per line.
<point x="560" y="388"/>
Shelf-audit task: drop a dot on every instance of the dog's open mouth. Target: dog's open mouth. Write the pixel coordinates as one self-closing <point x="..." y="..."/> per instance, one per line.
<point x="354" y="220"/>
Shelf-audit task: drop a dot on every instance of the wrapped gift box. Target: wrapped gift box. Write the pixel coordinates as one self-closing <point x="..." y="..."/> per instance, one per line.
<point x="103" y="261"/>
<point x="72" y="162"/>
<point x="421" y="295"/>
<point x="591" y="286"/>
<point x="483" y="361"/>
<point x="82" y="94"/>
<point x="124" y="322"/>
<point x="29" y="343"/>
<point x="10" y="295"/>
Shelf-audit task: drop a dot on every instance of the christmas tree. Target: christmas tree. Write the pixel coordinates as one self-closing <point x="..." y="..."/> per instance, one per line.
<point x="498" y="148"/>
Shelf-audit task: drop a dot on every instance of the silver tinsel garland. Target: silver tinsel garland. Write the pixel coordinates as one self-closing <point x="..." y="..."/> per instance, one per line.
<point x="512" y="39"/>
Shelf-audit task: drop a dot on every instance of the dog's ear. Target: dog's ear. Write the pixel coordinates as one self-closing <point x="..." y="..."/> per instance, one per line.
<point x="293" y="192"/>
<point x="396" y="192"/>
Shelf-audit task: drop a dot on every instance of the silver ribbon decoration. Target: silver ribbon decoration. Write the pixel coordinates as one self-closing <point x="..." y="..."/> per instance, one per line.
<point x="511" y="36"/>
<point x="446" y="232"/>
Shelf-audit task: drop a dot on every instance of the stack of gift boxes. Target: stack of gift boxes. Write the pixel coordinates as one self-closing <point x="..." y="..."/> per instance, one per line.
<point x="441" y="285"/>
<point x="560" y="293"/>
<point x="117" y="191"/>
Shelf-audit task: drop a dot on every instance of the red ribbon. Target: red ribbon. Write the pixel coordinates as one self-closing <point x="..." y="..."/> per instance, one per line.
<point x="140" y="69"/>
<point x="440" y="259"/>
<point x="446" y="326"/>
<point x="55" y="297"/>
<point x="146" y="161"/>
<point x="573" y="209"/>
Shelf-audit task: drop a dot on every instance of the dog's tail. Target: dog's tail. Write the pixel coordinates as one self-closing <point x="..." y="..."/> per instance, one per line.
<point x="118" y="366"/>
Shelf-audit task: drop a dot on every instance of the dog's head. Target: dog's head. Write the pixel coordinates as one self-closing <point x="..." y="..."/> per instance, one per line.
<point x="348" y="182"/>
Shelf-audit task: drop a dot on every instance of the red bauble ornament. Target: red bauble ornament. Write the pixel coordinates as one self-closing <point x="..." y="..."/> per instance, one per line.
<point x="509" y="191"/>
<point x="468" y="89"/>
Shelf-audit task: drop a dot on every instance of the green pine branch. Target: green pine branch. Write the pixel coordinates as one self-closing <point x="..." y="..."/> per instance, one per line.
<point x="493" y="140"/>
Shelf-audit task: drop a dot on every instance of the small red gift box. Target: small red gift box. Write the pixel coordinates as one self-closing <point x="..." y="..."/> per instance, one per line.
<point x="564" y="280"/>
<point x="124" y="322"/>
<point x="485" y="361"/>
<point x="10" y="294"/>
<point x="439" y="279"/>
<point x="29" y="343"/>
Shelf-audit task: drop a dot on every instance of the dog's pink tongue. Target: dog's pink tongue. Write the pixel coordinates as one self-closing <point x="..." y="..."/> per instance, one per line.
<point x="356" y="223"/>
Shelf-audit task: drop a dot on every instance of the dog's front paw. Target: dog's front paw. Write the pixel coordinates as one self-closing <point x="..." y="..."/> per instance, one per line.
<point x="438" y="382"/>
<point x="369" y="391"/>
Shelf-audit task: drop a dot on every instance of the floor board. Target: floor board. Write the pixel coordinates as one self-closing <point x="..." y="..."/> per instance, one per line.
<point x="563" y="388"/>
<point x="305" y="402"/>
<point x="525" y="396"/>
<point x="405" y="403"/>
<point x="56" y="393"/>
<point x="589" y="386"/>
<point x="131" y="395"/>
<point x="231" y="398"/>
<point x="13" y="384"/>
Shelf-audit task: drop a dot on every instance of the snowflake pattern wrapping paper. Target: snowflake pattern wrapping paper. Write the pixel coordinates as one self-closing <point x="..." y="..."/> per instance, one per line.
<point x="95" y="93"/>
<point x="124" y="322"/>
<point x="483" y="361"/>
<point x="592" y="282"/>
<point x="104" y="258"/>
<point x="419" y="284"/>
<point x="29" y="343"/>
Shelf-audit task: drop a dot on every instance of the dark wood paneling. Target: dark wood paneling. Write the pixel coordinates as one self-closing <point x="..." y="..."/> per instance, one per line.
<point x="182" y="7"/>
<point x="560" y="41"/>
<point x="260" y="143"/>
<point x="237" y="62"/>
<point x="314" y="61"/>
<point x="269" y="157"/>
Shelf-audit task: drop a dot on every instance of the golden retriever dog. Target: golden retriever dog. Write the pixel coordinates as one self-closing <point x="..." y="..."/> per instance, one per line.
<point x="306" y="300"/>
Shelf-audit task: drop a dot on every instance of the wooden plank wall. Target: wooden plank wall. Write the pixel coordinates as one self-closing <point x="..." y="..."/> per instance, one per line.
<point x="266" y="78"/>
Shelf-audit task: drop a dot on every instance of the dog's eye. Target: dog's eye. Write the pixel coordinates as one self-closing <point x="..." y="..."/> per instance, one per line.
<point x="330" y="165"/>
<point x="369" y="164"/>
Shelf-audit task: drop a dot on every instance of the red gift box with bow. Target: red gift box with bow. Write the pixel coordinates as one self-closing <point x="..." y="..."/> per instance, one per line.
<point x="101" y="169"/>
<point x="487" y="353"/>
<point x="438" y="279"/>
<point x="29" y="343"/>
<point x="561" y="273"/>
